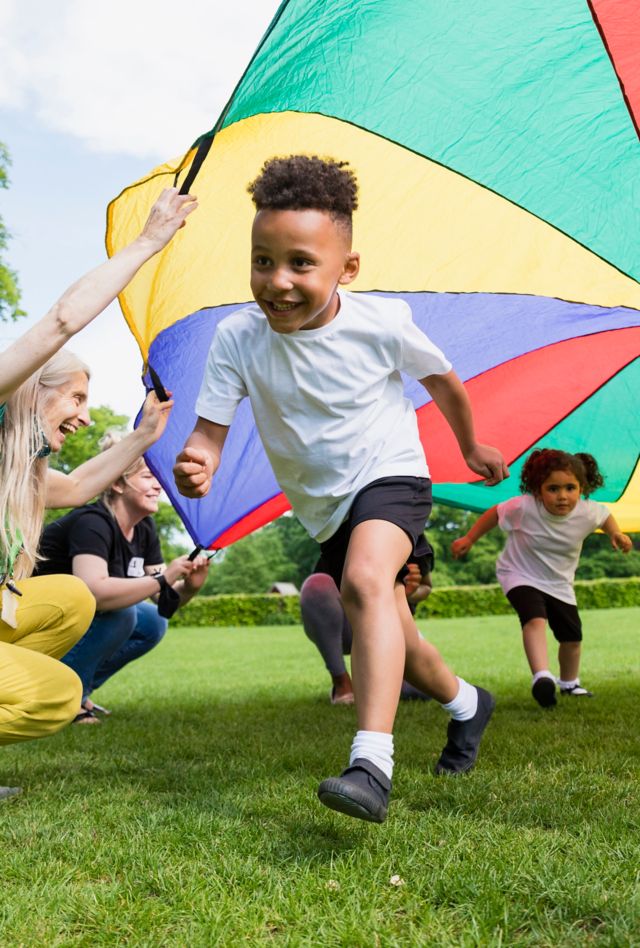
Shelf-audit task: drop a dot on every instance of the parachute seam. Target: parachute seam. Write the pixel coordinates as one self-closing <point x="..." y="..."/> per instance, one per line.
<point x="460" y="174"/>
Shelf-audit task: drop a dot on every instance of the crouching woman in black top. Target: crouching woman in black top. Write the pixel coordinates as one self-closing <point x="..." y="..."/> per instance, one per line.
<point x="113" y="546"/>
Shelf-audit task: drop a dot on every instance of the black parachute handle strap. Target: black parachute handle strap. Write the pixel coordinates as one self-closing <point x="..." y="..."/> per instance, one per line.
<point x="161" y="393"/>
<point x="204" y="144"/>
<point x="203" y="150"/>
<point x="163" y="396"/>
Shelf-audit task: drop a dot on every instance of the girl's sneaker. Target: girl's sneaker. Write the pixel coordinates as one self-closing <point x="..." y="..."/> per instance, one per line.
<point x="577" y="691"/>
<point x="544" y="692"/>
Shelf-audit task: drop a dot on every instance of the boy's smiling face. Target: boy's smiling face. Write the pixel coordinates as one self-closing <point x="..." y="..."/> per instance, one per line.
<point x="298" y="260"/>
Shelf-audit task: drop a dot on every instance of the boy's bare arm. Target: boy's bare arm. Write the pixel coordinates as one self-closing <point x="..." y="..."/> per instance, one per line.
<point x="450" y="396"/>
<point x="485" y="522"/>
<point x="200" y="458"/>
<point x="619" y="540"/>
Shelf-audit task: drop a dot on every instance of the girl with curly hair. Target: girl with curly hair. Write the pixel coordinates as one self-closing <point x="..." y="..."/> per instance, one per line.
<point x="546" y="527"/>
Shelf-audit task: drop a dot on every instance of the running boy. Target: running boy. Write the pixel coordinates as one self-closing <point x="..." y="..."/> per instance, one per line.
<point x="322" y="371"/>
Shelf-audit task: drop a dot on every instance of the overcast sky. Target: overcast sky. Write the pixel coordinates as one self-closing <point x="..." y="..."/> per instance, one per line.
<point x="92" y="96"/>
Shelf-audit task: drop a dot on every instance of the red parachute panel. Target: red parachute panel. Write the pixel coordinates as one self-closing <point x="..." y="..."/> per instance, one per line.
<point x="619" y="25"/>
<point x="556" y="379"/>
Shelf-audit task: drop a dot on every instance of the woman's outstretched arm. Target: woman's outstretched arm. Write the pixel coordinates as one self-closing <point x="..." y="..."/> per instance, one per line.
<point x="89" y="295"/>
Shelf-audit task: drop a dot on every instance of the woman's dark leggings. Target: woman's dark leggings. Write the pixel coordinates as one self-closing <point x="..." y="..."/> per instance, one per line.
<point x="326" y="624"/>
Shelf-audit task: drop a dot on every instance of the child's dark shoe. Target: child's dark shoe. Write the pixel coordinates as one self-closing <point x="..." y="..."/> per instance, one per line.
<point x="461" y="750"/>
<point x="576" y="691"/>
<point x="409" y="693"/>
<point x="7" y="792"/>
<point x="544" y="691"/>
<point x="362" y="791"/>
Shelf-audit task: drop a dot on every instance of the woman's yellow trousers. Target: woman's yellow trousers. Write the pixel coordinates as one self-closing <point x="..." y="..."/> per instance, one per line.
<point x="38" y="694"/>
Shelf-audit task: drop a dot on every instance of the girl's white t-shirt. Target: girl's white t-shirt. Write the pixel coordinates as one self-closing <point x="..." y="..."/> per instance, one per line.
<point x="328" y="403"/>
<point x="543" y="550"/>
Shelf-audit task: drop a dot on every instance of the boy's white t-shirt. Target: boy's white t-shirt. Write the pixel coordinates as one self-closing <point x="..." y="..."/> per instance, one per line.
<point x="543" y="550"/>
<point x="329" y="402"/>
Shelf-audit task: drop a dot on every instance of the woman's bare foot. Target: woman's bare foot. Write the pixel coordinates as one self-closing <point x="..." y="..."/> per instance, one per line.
<point x="342" y="691"/>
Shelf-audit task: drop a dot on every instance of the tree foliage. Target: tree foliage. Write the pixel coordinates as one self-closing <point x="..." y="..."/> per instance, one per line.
<point x="280" y="552"/>
<point x="173" y="539"/>
<point x="9" y="289"/>
<point x="283" y="552"/>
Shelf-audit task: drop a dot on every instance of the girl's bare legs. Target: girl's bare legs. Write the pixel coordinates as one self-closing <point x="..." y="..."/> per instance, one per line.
<point x="569" y="659"/>
<point x="377" y="551"/>
<point x="534" y="639"/>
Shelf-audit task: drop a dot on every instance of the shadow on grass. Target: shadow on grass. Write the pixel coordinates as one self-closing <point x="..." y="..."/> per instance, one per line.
<point x="257" y="763"/>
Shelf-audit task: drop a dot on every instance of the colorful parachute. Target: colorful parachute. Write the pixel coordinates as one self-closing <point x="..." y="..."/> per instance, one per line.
<point x="496" y="147"/>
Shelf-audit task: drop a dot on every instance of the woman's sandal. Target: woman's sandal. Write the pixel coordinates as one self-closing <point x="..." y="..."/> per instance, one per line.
<point x="86" y="717"/>
<point x="95" y="708"/>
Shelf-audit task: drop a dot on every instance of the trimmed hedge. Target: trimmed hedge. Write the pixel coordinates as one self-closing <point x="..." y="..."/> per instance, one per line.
<point x="445" y="602"/>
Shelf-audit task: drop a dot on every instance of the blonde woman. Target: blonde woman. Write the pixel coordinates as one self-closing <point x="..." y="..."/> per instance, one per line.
<point x="43" y="400"/>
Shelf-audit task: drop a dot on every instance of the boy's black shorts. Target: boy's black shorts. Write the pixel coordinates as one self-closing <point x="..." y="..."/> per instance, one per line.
<point x="563" y="617"/>
<point x="405" y="501"/>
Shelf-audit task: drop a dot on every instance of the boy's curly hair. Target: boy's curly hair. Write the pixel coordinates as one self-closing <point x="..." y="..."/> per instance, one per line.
<point x="542" y="463"/>
<point x="302" y="182"/>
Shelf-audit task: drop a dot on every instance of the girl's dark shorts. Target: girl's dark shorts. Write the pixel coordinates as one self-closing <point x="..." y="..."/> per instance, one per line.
<point x="405" y="501"/>
<point x="562" y="617"/>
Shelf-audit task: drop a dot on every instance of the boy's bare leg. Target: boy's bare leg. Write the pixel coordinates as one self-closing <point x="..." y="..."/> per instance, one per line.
<point x="424" y="666"/>
<point x="377" y="551"/>
<point x="377" y="612"/>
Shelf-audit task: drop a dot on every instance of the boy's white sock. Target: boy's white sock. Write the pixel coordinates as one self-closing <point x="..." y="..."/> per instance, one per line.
<point x="465" y="704"/>
<point x="375" y="746"/>
<point x="543" y="674"/>
<point x="569" y="684"/>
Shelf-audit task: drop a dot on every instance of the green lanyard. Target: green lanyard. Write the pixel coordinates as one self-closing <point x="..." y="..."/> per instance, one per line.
<point x="14" y="552"/>
<point x="6" y="569"/>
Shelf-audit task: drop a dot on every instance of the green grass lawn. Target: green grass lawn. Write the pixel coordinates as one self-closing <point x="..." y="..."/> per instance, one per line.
<point x="189" y="818"/>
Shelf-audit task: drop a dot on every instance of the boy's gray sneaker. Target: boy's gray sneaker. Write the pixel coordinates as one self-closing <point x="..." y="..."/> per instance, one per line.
<point x="362" y="791"/>
<point x="6" y="792"/>
<point x="461" y="750"/>
<point x="544" y="691"/>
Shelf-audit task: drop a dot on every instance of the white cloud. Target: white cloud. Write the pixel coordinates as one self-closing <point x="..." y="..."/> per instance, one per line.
<point x="133" y="77"/>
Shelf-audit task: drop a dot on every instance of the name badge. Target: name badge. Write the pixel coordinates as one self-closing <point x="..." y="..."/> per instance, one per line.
<point x="9" y="604"/>
<point x="136" y="567"/>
